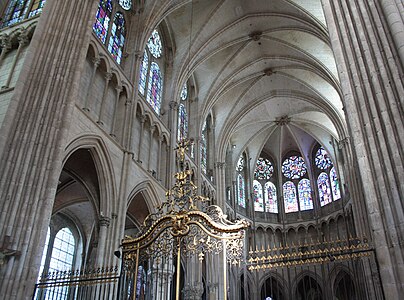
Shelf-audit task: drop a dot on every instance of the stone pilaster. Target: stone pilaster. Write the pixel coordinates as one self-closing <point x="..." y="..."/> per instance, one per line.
<point x="35" y="133"/>
<point x="369" y="70"/>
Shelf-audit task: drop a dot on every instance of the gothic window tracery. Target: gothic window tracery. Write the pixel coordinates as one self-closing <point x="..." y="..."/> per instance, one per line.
<point x="327" y="179"/>
<point x="263" y="173"/>
<point x="18" y="10"/>
<point x="117" y="39"/>
<point x="151" y="73"/>
<point x="258" y="199"/>
<point x="102" y="19"/>
<point x="116" y="31"/>
<point x="289" y="196"/>
<point x="295" y="171"/>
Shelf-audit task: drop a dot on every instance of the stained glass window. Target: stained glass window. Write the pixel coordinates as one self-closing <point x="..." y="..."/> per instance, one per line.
<point x="305" y="199"/>
<point x="117" y="39"/>
<point x="271" y="201"/>
<point x="258" y="200"/>
<point x="324" y="189"/>
<point x="182" y="132"/>
<point x="154" y="87"/>
<point x="289" y="196"/>
<point x="125" y="4"/>
<point x="36" y="8"/>
<point x="322" y="159"/>
<point x="241" y="190"/>
<point x="102" y="19"/>
<point x="184" y="92"/>
<point x="263" y="169"/>
<point x="204" y="144"/>
<point x="154" y="44"/>
<point x="143" y="73"/>
<point x="294" y="167"/>
<point x="336" y="192"/>
<point x="15" y="12"/>
<point x="240" y="164"/>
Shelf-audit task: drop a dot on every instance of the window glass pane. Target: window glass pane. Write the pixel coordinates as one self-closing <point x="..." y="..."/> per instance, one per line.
<point x="154" y="44"/>
<point x="241" y="190"/>
<point x="305" y="199"/>
<point x="258" y="199"/>
<point x="102" y="19"/>
<point x="36" y="8"/>
<point x="294" y="167"/>
<point x="143" y="73"/>
<point x="271" y="201"/>
<point x="15" y="12"/>
<point x="182" y="131"/>
<point x="324" y="190"/>
<point x="263" y="169"/>
<point x="117" y="39"/>
<point x="322" y="159"/>
<point x="289" y="195"/>
<point x="155" y="86"/>
<point x="203" y="146"/>
<point x="184" y="93"/>
<point x="240" y="164"/>
<point x="336" y="192"/>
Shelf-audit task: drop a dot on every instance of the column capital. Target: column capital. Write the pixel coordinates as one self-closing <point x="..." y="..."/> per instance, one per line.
<point x="220" y="165"/>
<point x="173" y="105"/>
<point x="104" y="221"/>
<point x="5" y="42"/>
<point x="23" y="38"/>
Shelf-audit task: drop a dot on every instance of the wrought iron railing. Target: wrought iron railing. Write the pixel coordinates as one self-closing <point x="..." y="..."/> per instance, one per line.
<point x="97" y="283"/>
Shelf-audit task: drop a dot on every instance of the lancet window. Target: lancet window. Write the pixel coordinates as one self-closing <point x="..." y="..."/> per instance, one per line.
<point x="150" y="77"/>
<point x="116" y="31"/>
<point x="182" y="131"/>
<point x="264" y="175"/>
<point x="327" y="178"/>
<point x="18" y="10"/>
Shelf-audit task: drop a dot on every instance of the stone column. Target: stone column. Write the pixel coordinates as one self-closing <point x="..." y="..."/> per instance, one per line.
<point x="35" y="133"/>
<point x="22" y="42"/>
<point x="108" y="77"/>
<point x="118" y="90"/>
<point x="87" y="101"/>
<point x="159" y="173"/>
<point x="102" y="237"/>
<point x="141" y="133"/>
<point x="152" y="129"/>
<point x="371" y="80"/>
<point x="220" y="168"/>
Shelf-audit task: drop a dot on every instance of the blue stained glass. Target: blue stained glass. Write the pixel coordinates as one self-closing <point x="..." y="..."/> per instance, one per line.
<point x="263" y="169"/>
<point x="305" y="199"/>
<point x="182" y="132"/>
<point x="143" y="73"/>
<point x="125" y="4"/>
<point x="336" y="192"/>
<point x="289" y="196"/>
<point x="324" y="189"/>
<point x="102" y="19"/>
<point x="117" y="39"/>
<point x="322" y="159"/>
<point x="36" y="7"/>
<point x="15" y="12"/>
<point x="258" y="199"/>
<point x="204" y="145"/>
<point x="241" y="190"/>
<point x="154" y="44"/>
<point x="154" y="88"/>
<point x="294" y="167"/>
<point x="184" y="92"/>
<point x="271" y="201"/>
